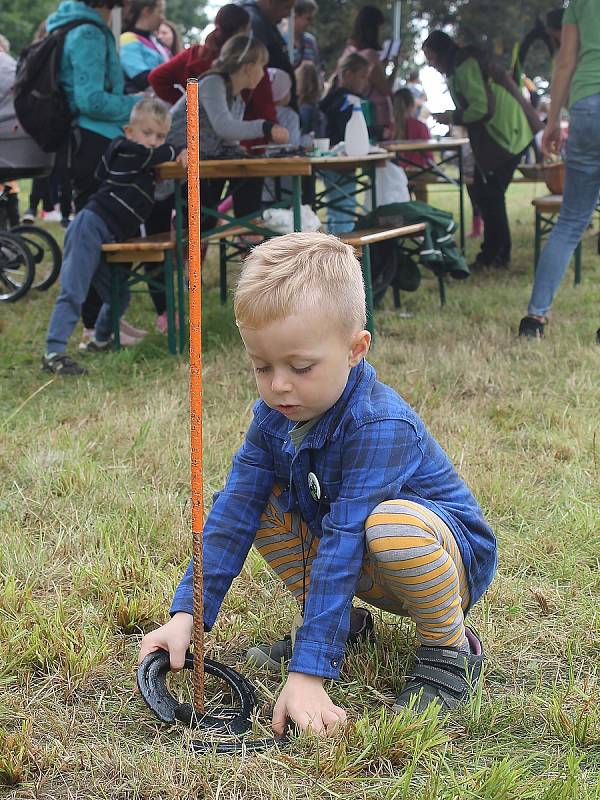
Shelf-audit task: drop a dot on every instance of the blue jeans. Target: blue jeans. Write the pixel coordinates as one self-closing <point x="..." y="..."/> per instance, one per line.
<point x="339" y="185"/>
<point x="82" y="267"/>
<point x="580" y="196"/>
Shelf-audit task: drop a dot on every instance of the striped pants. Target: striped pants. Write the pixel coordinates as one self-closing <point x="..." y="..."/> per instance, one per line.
<point x="412" y="565"/>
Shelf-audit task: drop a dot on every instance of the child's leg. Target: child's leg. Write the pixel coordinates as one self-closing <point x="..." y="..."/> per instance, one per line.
<point x="416" y="570"/>
<point x="83" y="243"/>
<point x="284" y="541"/>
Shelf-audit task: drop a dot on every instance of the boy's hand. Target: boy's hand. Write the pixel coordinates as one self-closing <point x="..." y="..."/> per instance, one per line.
<point x="306" y="702"/>
<point x="174" y="637"/>
<point x="279" y="134"/>
<point x="182" y="158"/>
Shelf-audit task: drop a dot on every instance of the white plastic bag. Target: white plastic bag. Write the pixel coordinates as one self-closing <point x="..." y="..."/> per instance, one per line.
<point x="281" y="220"/>
<point x="391" y="186"/>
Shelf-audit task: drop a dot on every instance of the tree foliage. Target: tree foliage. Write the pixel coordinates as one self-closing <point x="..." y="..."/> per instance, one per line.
<point x="19" y="20"/>
<point x="493" y="25"/>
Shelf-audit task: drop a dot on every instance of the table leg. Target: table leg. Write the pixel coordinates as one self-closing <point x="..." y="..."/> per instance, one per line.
<point x="171" y="317"/>
<point x="115" y="291"/>
<point x="180" y="265"/>
<point x="297" y="200"/>
<point x="461" y="198"/>
<point x="372" y="172"/>
<point x="365" y="262"/>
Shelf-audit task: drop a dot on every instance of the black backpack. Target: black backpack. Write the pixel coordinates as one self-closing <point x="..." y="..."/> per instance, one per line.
<point x="40" y="102"/>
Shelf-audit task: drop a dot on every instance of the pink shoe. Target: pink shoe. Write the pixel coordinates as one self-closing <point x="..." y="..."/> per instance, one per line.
<point x="162" y="323"/>
<point x="127" y="340"/>
<point x="129" y="330"/>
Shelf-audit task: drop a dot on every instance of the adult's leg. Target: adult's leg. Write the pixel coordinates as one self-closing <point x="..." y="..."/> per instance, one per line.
<point x="210" y="192"/>
<point x="246" y="194"/>
<point x="414" y="568"/>
<point x="580" y="196"/>
<point x="81" y="258"/>
<point x="490" y="189"/>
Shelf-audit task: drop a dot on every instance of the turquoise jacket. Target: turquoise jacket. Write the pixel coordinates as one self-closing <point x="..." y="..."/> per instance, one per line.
<point x="90" y="72"/>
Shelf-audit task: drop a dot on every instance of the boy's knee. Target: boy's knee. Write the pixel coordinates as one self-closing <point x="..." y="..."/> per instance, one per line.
<point x="395" y="518"/>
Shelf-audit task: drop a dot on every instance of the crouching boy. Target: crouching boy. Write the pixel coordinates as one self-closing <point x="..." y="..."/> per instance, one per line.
<point x="342" y="489"/>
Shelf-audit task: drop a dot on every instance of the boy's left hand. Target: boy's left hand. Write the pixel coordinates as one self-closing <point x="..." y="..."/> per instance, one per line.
<point x="182" y="158"/>
<point x="304" y="700"/>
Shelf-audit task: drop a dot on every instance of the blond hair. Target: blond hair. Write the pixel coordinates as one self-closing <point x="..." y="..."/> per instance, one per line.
<point x="151" y="107"/>
<point x="301" y="272"/>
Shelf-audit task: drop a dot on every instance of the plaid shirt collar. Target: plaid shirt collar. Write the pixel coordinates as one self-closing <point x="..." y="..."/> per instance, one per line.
<point x="275" y="424"/>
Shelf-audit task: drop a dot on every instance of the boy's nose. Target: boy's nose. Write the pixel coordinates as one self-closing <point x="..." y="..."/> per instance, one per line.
<point x="280" y="384"/>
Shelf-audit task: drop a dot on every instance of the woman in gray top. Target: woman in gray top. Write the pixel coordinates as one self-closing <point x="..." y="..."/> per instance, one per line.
<point x="239" y="66"/>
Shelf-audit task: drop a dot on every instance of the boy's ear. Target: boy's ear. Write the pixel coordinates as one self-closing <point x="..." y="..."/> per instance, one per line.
<point x="359" y="347"/>
<point x="127" y="130"/>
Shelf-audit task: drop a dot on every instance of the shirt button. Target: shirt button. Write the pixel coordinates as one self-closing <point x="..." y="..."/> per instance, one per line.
<point x="334" y="662"/>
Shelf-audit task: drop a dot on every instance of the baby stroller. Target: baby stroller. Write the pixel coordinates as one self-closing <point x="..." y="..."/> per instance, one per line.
<point x="29" y="255"/>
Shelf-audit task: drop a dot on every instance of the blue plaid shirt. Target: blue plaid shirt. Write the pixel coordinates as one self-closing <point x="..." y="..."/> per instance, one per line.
<point x="369" y="447"/>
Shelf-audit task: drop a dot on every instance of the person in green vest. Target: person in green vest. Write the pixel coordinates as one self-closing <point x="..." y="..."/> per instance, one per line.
<point x="489" y="105"/>
<point x="576" y="83"/>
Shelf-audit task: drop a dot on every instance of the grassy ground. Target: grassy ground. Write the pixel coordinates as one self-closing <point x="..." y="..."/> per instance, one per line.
<point x="94" y="520"/>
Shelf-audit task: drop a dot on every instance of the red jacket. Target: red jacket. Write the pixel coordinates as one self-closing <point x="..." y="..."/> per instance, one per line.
<point x="192" y="63"/>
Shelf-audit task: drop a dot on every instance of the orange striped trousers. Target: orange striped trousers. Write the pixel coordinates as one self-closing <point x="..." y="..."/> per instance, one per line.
<point x="412" y="565"/>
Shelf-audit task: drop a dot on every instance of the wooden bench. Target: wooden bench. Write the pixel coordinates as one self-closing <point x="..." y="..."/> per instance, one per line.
<point x="158" y="249"/>
<point x="546" y="210"/>
<point x="362" y="241"/>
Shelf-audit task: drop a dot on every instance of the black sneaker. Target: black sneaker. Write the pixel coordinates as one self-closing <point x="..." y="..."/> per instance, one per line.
<point x="443" y="675"/>
<point x="272" y="655"/>
<point x="61" y="364"/>
<point x="531" y="328"/>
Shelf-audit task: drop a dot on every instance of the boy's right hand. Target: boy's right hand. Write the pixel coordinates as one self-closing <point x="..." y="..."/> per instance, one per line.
<point x="279" y="134"/>
<point x="174" y="637"/>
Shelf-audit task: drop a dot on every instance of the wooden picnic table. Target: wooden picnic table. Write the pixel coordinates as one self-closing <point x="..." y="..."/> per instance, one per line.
<point x="447" y="144"/>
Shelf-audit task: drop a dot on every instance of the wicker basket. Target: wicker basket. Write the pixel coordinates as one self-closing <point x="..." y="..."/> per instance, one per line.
<point x="554" y="175"/>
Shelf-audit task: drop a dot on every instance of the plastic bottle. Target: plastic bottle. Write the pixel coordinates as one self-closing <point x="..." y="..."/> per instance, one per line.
<point x="356" y="135"/>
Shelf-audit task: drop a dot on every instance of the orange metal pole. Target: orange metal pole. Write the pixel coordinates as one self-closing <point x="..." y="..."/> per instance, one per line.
<point x="195" y="269"/>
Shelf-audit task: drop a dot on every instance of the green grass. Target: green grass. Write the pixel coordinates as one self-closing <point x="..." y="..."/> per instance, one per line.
<point x="94" y="534"/>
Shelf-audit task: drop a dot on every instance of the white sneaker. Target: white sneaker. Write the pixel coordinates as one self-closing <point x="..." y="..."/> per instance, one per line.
<point x="52" y="216"/>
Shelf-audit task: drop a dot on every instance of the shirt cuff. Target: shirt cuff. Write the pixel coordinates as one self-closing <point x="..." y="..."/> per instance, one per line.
<point x="313" y="658"/>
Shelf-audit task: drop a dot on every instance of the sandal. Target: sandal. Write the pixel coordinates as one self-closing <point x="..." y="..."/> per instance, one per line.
<point x="443" y="675"/>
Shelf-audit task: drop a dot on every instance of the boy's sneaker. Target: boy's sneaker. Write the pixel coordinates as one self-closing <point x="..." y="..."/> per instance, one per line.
<point x="94" y="346"/>
<point x="272" y="655"/>
<point x="61" y="364"/>
<point x="531" y="328"/>
<point x="130" y="330"/>
<point x="443" y="675"/>
<point x="28" y="216"/>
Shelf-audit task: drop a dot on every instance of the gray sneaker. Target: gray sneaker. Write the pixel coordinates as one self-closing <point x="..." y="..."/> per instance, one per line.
<point x="61" y="364"/>
<point x="273" y="655"/>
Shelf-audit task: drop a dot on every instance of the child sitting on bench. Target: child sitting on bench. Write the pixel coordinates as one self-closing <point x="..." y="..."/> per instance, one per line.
<point x="114" y="213"/>
<point x="343" y="490"/>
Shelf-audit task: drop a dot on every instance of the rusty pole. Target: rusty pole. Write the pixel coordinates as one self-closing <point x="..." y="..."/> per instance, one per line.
<point x="195" y="269"/>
